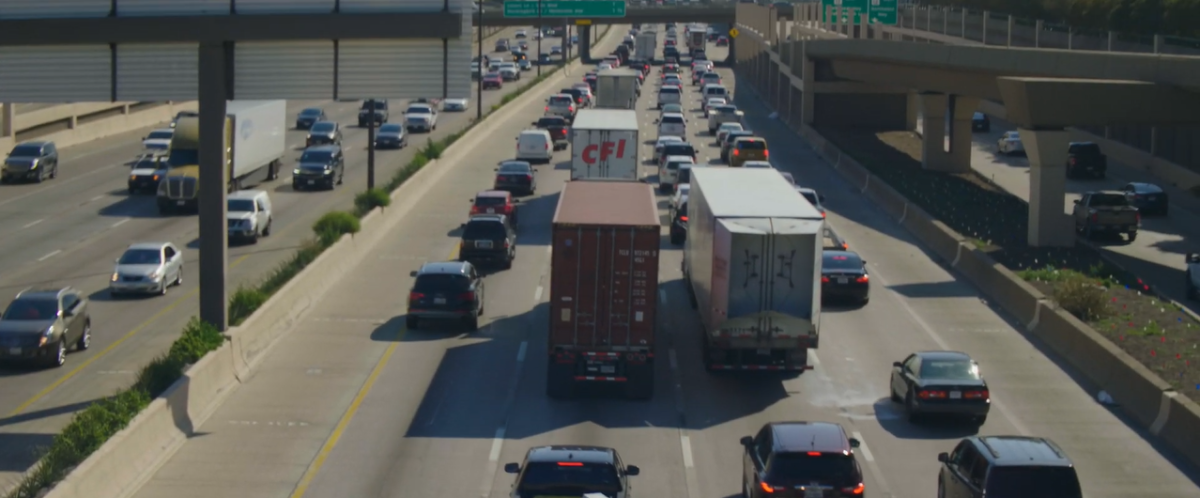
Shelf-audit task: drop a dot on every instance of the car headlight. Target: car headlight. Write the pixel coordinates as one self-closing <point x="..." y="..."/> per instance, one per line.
<point x="46" y="336"/>
<point x="33" y="164"/>
<point x="115" y="276"/>
<point x="296" y="171"/>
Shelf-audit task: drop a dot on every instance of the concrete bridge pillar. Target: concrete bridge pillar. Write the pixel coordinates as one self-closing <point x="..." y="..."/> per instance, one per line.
<point x="808" y="94"/>
<point x="940" y="110"/>
<point x="1049" y="225"/>
<point x="933" y="132"/>
<point x="585" y="43"/>
<point x="8" y="126"/>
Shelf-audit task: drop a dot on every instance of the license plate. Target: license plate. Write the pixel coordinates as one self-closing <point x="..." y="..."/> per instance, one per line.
<point x="179" y="203"/>
<point x="491" y="211"/>
<point x="813" y="493"/>
<point x="608" y="370"/>
<point x="310" y="182"/>
<point x="483" y="244"/>
<point x="955" y="394"/>
<point x="842" y="280"/>
<point x="439" y="300"/>
<point x="14" y="351"/>
<point x="764" y="351"/>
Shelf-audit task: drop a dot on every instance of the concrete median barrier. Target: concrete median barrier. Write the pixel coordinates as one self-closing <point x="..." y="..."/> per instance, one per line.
<point x="886" y="197"/>
<point x="102" y="127"/>
<point x="935" y="235"/>
<point x="1180" y="426"/>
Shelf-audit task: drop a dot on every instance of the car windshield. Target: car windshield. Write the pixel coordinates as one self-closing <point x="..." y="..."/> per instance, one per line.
<point x="841" y="261"/>
<point x="378" y="105"/>
<point x="677" y="149"/>
<point x="751" y="145"/>
<point x="418" y="109"/>
<point x="310" y="112"/>
<point x="146" y="163"/>
<point x="324" y="127"/>
<point x="160" y="134"/>
<point x="949" y="370"/>
<point x="548" y="122"/>
<point x="240" y="206"/>
<point x="730" y="126"/>
<point x="26" y="151"/>
<point x="391" y="128"/>
<point x="800" y="467"/>
<point x="550" y="478"/>
<point x="31" y="309"/>
<point x="493" y="76"/>
<point x="669" y="108"/>
<point x="484" y="230"/>
<point x="316" y="156"/>
<point x="515" y="168"/>
<point x="672" y="119"/>
<point x="140" y="257"/>
<point x="1033" y="482"/>
<point x="441" y="282"/>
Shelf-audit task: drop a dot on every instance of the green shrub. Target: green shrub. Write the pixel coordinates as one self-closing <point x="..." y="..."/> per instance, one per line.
<point x="244" y="302"/>
<point x="160" y="373"/>
<point x="370" y="199"/>
<point x="1082" y="296"/>
<point x="199" y="337"/>
<point x="433" y="150"/>
<point x="334" y="224"/>
<point x="307" y="253"/>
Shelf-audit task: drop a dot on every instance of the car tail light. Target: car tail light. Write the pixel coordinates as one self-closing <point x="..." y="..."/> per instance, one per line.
<point x="1139" y="216"/>
<point x="1071" y="161"/>
<point x="683" y="218"/>
<point x="767" y="488"/>
<point x="766" y="153"/>
<point x="529" y="177"/>
<point x="570" y="464"/>
<point x="863" y="279"/>
<point x="414" y="297"/>
<point x="499" y="178"/>
<point x="824" y="280"/>
<point x="735" y="152"/>
<point x="467" y="296"/>
<point x="927" y="394"/>
<point x="814" y="453"/>
<point x="857" y="490"/>
<point x="822" y="215"/>
<point x="475" y="209"/>
<point x="508" y="208"/>
<point x="506" y="244"/>
<point x="976" y="394"/>
<point x="1095" y="217"/>
<point x="547" y="146"/>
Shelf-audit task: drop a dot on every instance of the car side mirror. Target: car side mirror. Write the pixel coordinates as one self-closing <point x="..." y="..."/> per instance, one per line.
<point x="897" y="364"/>
<point x="516" y="201"/>
<point x="117" y="261"/>
<point x="412" y="273"/>
<point x="462" y="225"/>
<point x="632" y="470"/>
<point x="512" y="468"/>
<point x="944" y="457"/>
<point x="495" y="169"/>
<point x="1076" y="201"/>
<point x="533" y="123"/>
<point x="854" y="443"/>
<point x="143" y="138"/>
<point x="864" y="262"/>
<point x="471" y="199"/>
<point x="747" y="440"/>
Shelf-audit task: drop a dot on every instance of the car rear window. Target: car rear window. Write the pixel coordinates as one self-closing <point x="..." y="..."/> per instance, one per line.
<point x="673" y="119"/>
<point x="1084" y="149"/>
<point x="734" y="135"/>
<point x="484" y="230"/>
<point x="752" y="145"/>
<point x="551" y="479"/>
<point x="1033" y="482"/>
<point x="811" y="198"/>
<point x="514" y="168"/>
<point x="561" y="100"/>
<point x="669" y="89"/>
<point x="489" y="201"/>
<point x="841" y="262"/>
<point x="441" y="282"/>
<point x="1108" y="200"/>
<point x="801" y="467"/>
<point x="949" y="369"/>
<point x="678" y="149"/>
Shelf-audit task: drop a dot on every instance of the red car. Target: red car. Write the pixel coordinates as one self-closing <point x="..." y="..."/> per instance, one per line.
<point x="493" y="80"/>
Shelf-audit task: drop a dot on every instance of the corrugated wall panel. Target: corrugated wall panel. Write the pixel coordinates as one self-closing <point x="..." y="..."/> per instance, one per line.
<point x="32" y="9"/>
<point x="398" y="6"/>
<point x="283" y="70"/>
<point x="404" y="69"/>
<point x="70" y="73"/>
<point x="172" y="7"/>
<point x="285" y="6"/>
<point x="155" y="72"/>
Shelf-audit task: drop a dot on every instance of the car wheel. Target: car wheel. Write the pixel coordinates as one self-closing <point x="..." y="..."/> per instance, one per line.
<point x="179" y="277"/>
<point x="909" y="409"/>
<point x="895" y="397"/>
<point x="85" y="340"/>
<point x="472" y="323"/>
<point x="54" y="172"/>
<point x="60" y="355"/>
<point x="411" y="322"/>
<point x="162" y="289"/>
<point x="941" y="491"/>
<point x="41" y="176"/>
<point x="267" y="229"/>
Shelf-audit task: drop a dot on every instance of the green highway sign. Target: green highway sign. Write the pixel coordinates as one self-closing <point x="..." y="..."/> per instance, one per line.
<point x="566" y="8"/>
<point x="877" y="11"/>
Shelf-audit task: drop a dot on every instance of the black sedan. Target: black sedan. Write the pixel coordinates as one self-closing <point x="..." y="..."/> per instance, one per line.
<point x="308" y="117"/>
<point x="391" y="136"/>
<point x="940" y="382"/>
<point x="844" y="276"/>
<point x="1150" y="199"/>
<point x="981" y="122"/>
<point x="516" y="177"/>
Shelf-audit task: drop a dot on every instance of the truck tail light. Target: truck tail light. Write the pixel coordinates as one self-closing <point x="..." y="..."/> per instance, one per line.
<point x="506" y="244"/>
<point x="547" y="146"/>
<point x="1071" y="161"/>
<point x="824" y="280"/>
<point x="467" y="296"/>
<point x="976" y="394"/>
<point x="1139" y="216"/>
<point x="863" y="279"/>
<point x="766" y="153"/>
<point x="683" y="218"/>
<point x="414" y="297"/>
<point x="767" y="488"/>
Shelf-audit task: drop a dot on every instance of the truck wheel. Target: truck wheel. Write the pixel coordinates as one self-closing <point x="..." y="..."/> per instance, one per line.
<point x="411" y="322"/>
<point x="472" y="323"/>
<point x="1132" y="236"/>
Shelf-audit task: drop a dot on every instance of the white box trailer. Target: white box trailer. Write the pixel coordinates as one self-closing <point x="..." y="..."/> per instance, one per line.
<point x="646" y="44"/>
<point x="617" y="89"/>
<point x="604" y="145"/>
<point x="752" y="262"/>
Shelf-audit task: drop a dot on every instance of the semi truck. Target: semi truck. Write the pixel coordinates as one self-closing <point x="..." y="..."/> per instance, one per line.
<point x="254" y="149"/>
<point x="604" y="145"/>
<point x="603" y="288"/>
<point x="752" y="265"/>
<point x="617" y="89"/>
<point x="696" y="34"/>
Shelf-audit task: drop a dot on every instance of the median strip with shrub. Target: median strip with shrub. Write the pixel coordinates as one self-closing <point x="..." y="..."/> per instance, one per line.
<point x="90" y="428"/>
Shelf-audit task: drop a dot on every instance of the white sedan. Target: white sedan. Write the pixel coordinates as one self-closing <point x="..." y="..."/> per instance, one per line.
<point x="1010" y="143"/>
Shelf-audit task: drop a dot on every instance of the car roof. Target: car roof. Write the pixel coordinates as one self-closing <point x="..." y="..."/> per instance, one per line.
<point x="680" y="158"/>
<point x="943" y="355"/>
<point x="750" y="139"/>
<point x="324" y="148"/>
<point x="809" y="436"/>
<point x="444" y="267"/>
<point x="147" y="245"/>
<point x="672" y="114"/>
<point x="586" y="454"/>
<point x="835" y="253"/>
<point x="494" y="193"/>
<point x="245" y="194"/>
<point x="38" y="143"/>
<point x="1022" y="451"/>
<point x="43" y="292"/>
<point x="309" y="109"/>
<point x="538" y="132"/>
<point x="1145" y="187"/>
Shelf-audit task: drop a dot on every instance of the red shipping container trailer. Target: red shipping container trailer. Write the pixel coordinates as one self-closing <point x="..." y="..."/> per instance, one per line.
<point x="604" y="287"/>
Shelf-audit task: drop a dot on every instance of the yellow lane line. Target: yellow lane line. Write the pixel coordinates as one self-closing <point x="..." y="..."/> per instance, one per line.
<point x="77" y="370"/>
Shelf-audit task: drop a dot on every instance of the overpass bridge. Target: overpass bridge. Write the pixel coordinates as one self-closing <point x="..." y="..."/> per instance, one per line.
<point x="827" y="78"/>
<point x="705" y="13"/>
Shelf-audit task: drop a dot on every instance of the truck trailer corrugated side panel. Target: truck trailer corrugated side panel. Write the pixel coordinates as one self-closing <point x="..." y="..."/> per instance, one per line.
<point x="604" y="144"/>
<point x="259" y="129"/>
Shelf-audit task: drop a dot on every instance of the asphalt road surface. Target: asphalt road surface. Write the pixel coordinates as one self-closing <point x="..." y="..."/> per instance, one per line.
<point x="352" y="404"/>
<point x="68" y="231"/>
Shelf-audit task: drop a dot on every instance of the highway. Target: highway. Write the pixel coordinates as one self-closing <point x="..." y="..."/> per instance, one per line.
<point x="68" y="231"/>
<point x="1157" y="256"/>
<point x="352" y="404"/>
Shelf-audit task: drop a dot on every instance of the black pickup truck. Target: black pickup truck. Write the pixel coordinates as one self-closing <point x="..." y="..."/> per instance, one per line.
<point x="1085" y="160"/>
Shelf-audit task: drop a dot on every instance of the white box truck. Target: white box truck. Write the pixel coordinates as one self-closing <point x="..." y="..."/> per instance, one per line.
<point x="752" y="264"/>
<point x="617" y="89"/>
<point x="604" y="145"/>
<point x="645" y="45"/>
<point x="254" y="144"/>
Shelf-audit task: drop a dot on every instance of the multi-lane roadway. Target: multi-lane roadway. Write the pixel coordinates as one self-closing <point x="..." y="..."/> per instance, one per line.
<point x="68" y="231"/>
<point x="353" y="404"/>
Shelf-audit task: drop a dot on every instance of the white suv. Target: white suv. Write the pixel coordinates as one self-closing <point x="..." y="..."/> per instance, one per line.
<point x="249" y="215"/>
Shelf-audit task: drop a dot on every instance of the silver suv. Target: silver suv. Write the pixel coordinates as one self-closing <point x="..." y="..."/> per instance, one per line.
<point x="561" y="105"/>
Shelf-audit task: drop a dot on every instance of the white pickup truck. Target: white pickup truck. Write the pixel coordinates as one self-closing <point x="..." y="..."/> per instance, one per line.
<point x="420" y="117"/>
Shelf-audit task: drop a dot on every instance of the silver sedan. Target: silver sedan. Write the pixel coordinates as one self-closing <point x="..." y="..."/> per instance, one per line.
<point x="147" y="268"/>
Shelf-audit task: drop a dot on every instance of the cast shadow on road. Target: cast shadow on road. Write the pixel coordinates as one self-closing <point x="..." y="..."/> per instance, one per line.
<point x="892" y="418"/>
<point x="135" y="206"/>
<point x="1178" y="246"/>
<point x="949" y="288"/>
<point x="562" y="166"/>
<point x="43" y="413"/>
<point x="19" y="451"/>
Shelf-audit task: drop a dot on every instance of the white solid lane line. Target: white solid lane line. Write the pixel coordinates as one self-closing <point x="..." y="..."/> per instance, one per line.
<point x="32" y="223"/>
<point x="119" y="223"/>
<point x="49" y="255"/>
<point x="884" y="488"/>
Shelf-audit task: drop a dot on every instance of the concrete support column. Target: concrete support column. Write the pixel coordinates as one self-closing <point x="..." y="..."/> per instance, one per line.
<point x="808" y="95"/>
<point x="125" y="109"/>
<point x="1158" y="43"/>
<point x="983" y="32"/>
<point x="8" y="125"/>
<point x="1012" y="24"/>
<point x="213" y="183"/>
<point x="929" y="18"/>
<point x="960" y="109"/>
<point x="945" y="20"/>
<point x="963" y="24"/>
<point x="933" y="131"/>
<point x="864" y="23"/>
<point x="1049" y="225"/>
<point x="585" y="43"/>
<point x="1111" y="37"/>
<point x="1037" y="33"/>
<point x="912" y="111"/>
<point x="73" y="122"/>
<point x="1070" y="38"/>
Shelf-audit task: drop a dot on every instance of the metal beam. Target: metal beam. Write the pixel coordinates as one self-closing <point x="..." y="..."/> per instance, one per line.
<point x="214" y="234"/>
<point x="265" y="27"/>
<point x="632" y="15"/>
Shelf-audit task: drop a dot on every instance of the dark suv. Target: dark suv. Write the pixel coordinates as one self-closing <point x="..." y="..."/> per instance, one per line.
<point x="322" y="166"/>
<point x="446" y="290"/>
<point x="34" y="160"/>
<point x="488" y="238"/>
<point x="801" y="459"/>
<point x="381" y="112"/>
<point x="571" y="471"/>
<point x="679" y="224"/>
<point x="1007" y="466"/>
<point x="324" y="132"/>
<point x="42" y="324"/>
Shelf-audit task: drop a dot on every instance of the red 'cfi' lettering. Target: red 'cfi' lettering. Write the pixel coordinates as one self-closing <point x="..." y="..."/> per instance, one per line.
<point x="606" y="151"/>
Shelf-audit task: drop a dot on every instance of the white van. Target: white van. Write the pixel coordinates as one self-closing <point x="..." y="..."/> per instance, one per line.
<point x="668" y="172"/>
<point x="535" y="146"/>
<point x="713" y="91"/>
<point x="669" y="95"/>
<point x="249" y="215"/>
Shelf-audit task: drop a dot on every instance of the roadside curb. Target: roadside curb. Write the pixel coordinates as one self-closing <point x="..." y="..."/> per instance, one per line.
<point x="1144" y="396"/>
